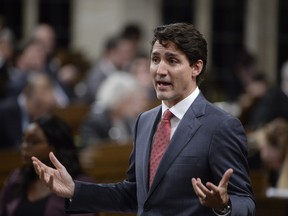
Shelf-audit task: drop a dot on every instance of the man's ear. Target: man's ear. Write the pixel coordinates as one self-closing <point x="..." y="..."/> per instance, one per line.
<point x="197" y="68"/>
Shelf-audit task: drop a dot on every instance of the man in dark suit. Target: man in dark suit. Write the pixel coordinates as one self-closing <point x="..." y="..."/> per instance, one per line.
<point x="37" y="98"/>
<point x="204" y="169"/>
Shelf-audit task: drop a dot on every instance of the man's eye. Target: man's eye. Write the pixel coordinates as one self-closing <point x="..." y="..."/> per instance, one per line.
<point x="173" y="61"/>
<point x="155" y="60"/>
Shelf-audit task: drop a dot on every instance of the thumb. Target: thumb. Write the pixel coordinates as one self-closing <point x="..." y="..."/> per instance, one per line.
<point x="226" y="177"/>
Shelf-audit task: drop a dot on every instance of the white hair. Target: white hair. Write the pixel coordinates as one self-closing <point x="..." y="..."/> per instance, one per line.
<point x="284" y="71"/>
<point x="284" y="77"/>
<point x="116" y="87"/>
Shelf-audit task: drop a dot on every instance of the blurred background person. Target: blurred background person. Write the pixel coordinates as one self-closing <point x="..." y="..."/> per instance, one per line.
<point x="274" y="104"/>
<point x="140" y="69"/>
<point x="23" y="192"/>
<point x="46" y="34"/>
<point x="244" y="72"/>
<point x="6" y="56"/>
<point x="117" y="55"/>
<point x="5" y="32"/>
<point x="29" y="58"/>
<point x="270" y="143"/>
<point x="64" y="66"/>
<point x="111" y="118"/>
<point x="249" y="100"/>
<point x="36" y="98"/>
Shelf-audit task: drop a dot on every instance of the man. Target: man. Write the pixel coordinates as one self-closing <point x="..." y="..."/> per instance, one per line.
<point x="117" y="55"/>
<point x="36" y="99"/>
<point x="194" y="176"/>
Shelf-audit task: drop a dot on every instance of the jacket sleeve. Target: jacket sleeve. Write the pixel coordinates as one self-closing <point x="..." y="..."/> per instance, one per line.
<point x="116" y="197"/>
<point x="229" y="150"/>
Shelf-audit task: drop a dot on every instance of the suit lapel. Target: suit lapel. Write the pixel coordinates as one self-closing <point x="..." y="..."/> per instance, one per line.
<point x="183" y="134"/>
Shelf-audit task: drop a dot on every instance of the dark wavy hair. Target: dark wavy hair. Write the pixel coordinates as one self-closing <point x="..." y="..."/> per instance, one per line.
<point x="60" y="136"/>
<point x="187" y="39"/>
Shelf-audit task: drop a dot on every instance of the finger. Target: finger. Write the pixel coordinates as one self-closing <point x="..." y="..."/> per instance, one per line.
<point x="197" y="189"/>
<point x="55" y="161"/>
<point x="36" y="168"/>
<point x="203" y="188"/>
<point x="35" y="159"/>
<point x="225" y="179"/>
<point x="213" y="188"/>
<point x="38" y="165"/>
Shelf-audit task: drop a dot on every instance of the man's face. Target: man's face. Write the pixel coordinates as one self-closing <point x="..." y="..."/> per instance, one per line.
<point x="172" y="75"/>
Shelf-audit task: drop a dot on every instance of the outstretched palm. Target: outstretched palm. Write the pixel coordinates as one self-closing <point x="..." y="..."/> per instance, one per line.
<point x="58" y="180"/>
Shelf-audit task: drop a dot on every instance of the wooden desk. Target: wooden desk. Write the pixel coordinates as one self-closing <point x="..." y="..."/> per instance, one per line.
<point x="106" y="163"/>
<point x="271" y="206"/>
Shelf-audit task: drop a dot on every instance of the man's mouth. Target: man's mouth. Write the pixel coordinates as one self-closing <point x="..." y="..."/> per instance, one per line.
<point x="162" y="83"/>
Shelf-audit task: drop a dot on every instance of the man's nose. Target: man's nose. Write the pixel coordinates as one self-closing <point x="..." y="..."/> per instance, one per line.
<point x="162" y="68"/>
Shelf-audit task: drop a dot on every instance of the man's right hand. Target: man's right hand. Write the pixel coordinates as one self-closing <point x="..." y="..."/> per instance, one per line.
<point x="58" y="180"/>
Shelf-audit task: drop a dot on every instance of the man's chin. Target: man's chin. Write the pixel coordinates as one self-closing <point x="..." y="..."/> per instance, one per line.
<point x="162" y="96"/>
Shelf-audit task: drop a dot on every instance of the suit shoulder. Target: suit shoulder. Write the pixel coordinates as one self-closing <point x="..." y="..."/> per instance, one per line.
<point x="151" y="112"/>
<point x="219" y="113"/>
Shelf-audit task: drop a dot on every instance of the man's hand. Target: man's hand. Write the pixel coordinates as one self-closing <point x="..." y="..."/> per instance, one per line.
<point x="213" y="196"/>
<point x="58" y="180"/>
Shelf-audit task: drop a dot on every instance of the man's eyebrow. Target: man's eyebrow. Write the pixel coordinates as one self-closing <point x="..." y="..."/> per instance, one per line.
<point x="155" y="53"/>
<point x="169" y="55"/>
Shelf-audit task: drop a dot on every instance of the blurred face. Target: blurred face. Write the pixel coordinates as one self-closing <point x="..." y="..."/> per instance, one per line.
<point x="33" y="58"/>
<point x="34" y="144"/>
<point x="271" y="156"/>
<point x="140" y="69"/>
<point x="47" y="36"/>
<point x="172" y="75"/>
<point x="123" y="54"/>
<point x="41" y="99"/>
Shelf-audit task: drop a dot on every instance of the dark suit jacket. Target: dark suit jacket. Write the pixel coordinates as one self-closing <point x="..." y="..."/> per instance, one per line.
<point x="11" y="123"/>
<point x="206" y="143"/>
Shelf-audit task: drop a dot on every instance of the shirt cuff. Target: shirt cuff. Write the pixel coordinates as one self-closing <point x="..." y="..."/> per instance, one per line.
<point x="224" y="214"/>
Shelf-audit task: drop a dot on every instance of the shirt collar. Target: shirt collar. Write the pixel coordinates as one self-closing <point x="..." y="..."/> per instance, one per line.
<point x="181" y="107"/>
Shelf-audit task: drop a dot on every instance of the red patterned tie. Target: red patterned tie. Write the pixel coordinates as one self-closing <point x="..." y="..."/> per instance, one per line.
<point x="161" y="140"/>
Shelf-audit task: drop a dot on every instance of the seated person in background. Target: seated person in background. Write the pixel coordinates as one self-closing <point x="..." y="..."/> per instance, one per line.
<point x="23" y="192"/>
<point x="274" y="104"/>
<point x="272" y="143"/>
<point x="248" y="101"/>
<point x="37" y="98"/>
<point x="140" y="69"/>
<point x="29" y="58"/>
<point x="116" y="57"/>
<point x="112" y="116"/>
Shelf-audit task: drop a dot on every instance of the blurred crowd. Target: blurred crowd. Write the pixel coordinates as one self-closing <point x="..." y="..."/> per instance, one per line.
<point x="37" y="78"/>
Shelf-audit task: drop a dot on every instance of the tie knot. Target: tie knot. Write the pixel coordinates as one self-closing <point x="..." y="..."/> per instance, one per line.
<point x="167" y="115"/>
